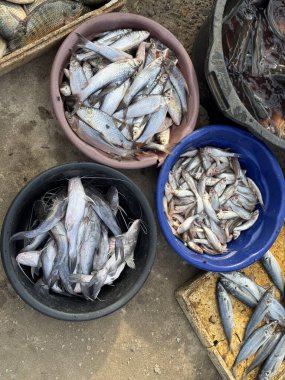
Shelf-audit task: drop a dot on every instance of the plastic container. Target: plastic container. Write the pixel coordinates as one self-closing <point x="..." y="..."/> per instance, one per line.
<point x="129" y="283"/>
<point x="263" y="168"/>
<point x="113" y="21"/>
<point x="214" y="80"/>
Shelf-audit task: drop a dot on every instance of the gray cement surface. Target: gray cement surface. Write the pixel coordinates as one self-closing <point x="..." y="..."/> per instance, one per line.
<point x="150" y="337"/>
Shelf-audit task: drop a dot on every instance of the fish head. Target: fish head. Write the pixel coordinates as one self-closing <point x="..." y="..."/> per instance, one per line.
<point x="136" y="63"/>
<point x="72" y="120"/>
<point x="271" y="327"/>
<point x="163" y="78"/>
<point x="75" y="184"/>
<point x="73" y="9"/>
<point x="167" y="95"/>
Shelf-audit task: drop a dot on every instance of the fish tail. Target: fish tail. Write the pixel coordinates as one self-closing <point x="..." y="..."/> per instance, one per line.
<point x="23" y="235"/>
<point x="82" y="41"/>
<point x="72" y="101"/>
<point x="54" y="276"/>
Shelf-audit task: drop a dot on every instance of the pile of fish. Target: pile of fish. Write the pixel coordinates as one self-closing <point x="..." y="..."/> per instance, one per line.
<point x="122" y="92"/>
<point x="254" y="44"/>
<point x="267" y="342"/>
<point x="208" y="200"/>
<point x="78" y="246"/>
<point x="25" y="21"/>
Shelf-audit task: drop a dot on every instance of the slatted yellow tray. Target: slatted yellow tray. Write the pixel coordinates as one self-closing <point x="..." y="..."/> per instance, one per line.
<point x="198" y="301"/>
<point x="27" y="53"/>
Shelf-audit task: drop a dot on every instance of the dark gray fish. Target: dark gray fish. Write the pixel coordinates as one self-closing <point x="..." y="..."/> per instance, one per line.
<point x="260" y="311"/>
<point x="35" y="243"/>
<point x="226" y="312"/>
<point x="55" y="215"/>
<point x="104" y="212"/>
<point x="90" y="242"/>
<point x="274" y="271"/>
<point x="60" y="270"/>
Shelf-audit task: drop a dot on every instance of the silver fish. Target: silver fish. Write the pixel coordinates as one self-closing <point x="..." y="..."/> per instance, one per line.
<point x="115" y="73"/>
<point x="48" y="256"/>
<point x="263" y="353"/>
<point x="90" y="242"/>
<point x="130" y="40"/>
<point x="29" y="258"/>
<point x="260" y="311"/>
<point x="143" y="106"/>
<point x="156" y="119"/>
<point x="105" y="125"/>
<point x="274" y="361"/>
<point x="94" y="138"/>
<point x="178" y="83"/>
<point x="274" y="271"/>
<point x="226" y="312"/>
<point x="113" y="99"/>
<point x="74" y="215"/>
<point x="145" y="77"/>
<point x="254" y="342"/>
<point x="245" y="282"/>
<point x="77" y="77"/>
<point x="238" y="292"/>
<point x="60" y="270"/>
<point x="108" y="52"/>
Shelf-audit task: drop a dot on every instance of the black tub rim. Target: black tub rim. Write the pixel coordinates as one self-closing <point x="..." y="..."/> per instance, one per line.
<point x="216" y="68"/>
<point x="19" y="287"/>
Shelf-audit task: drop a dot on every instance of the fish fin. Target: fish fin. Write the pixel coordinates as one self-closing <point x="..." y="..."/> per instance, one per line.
<point x="130" y="262"/>
<point x="76" y="278"/>
<point x="54" y="276"/>
<point x="33" y="269"/>
<point x="81" y="41"/>
<point x="20" y="236"/>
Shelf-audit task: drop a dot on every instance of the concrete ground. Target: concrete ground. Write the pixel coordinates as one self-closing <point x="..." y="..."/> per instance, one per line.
<point x="150" y="337"/>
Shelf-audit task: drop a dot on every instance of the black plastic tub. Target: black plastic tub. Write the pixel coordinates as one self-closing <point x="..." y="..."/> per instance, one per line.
<point x="129" y="283"/>
<point x="215" y="83"/>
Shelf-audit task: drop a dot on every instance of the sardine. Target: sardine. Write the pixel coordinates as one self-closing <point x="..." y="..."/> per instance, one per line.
<point x="105" y="125"/>
<point x="108" y="52"/>
<point x="130" y="40"/>
<point x="115" y="73"/>
<point x="145" y="77"/>
<point x="113" y="99"/>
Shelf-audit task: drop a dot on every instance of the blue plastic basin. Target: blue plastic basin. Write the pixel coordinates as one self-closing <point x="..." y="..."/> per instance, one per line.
<point x="263" y="168"/>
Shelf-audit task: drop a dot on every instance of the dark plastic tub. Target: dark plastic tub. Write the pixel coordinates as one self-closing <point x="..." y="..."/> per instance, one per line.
<point x="263" y="168"/>
<point x="215" y="83"/>
<point x="112" y="297"/>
